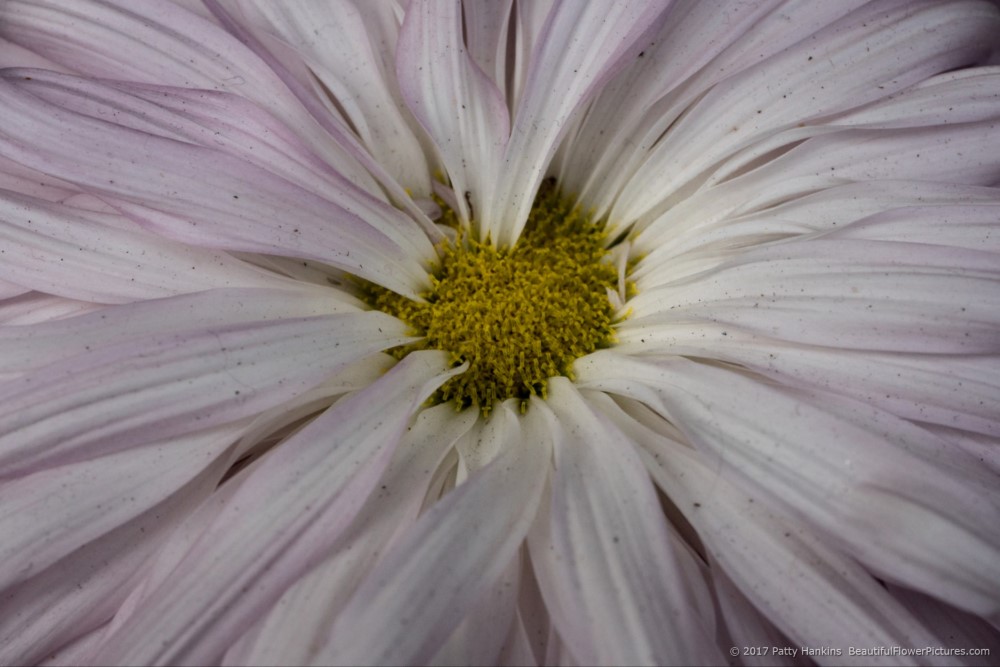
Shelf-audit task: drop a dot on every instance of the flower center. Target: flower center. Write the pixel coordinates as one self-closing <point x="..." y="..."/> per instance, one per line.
<point x="518" y="316"/>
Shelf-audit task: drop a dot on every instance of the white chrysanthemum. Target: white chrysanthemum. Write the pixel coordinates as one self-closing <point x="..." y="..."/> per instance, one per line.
<point x="757" y="405"/>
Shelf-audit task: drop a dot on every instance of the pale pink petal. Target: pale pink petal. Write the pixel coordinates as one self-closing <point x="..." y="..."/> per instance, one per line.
<point x="321" y="112"/>
<point x="695" y="33"/>
<point x="783" y="26"/>
<point x="748" y="627"/>
<point x="280" y="522"/>
<point x="459" y="106"/>
<point x="50" y="513"/>
<point x="565" y="71"/>
<point x="488" y="27"/>
<point x="123" y="395"/>
<point x="826" y="210"/>
<point x="27" y="347"/>
<point x="874" y="295"/>
<point x="297" y="625"/>
<point x="611" y="579"/>
<point x="815" y="595"/>
<point x="35" y="307"/>
<point x="10" y="290"/>
<point x="973" y="227"/>
<point x="865" y="56"/>
<point x="162" y="43"/>
<point x="951" y="390"/>
<point x="79" y="255"/>
<point x="420" y="590"/>
<point x="84" y="590"/>
<point x="344" y="47"/>
<point x="202" y="196"/>
<point x="480" y="638"/>
<point x="953" y="627"/>
<point x="963" y="154"/>
<point x="908" y="505"/>
<point x="963" y="96"/>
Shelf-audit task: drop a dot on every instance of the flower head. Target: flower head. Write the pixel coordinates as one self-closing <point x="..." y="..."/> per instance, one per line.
<point x="498" y="332"/>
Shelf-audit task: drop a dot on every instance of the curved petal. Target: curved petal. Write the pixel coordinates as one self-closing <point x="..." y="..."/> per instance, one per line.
<point x="421" y="589"/>
<point x="966" y="154"/>
<point x="459" y="106"/>
<point x="867" y="55"/>
<point x="297" y="625"/>
<point x="908" y="505"/>
<point x="202" y="196"/>
<point x="281" y="521"/>
<point x="31" y="346"/>
<point x="854" y="294"/>
<point x="84" y="590"/>
<point x="50" y="513"/>
<point x="80" y="255"/>
<point x="955" y="391"/>
<point x="346" y="50"/>
<point x="565" y="71"/>
<point x="163" y="43"/>
<point x="121" y="396"/>
<point x="609" y="574"/>
<point x="814" y="594"/>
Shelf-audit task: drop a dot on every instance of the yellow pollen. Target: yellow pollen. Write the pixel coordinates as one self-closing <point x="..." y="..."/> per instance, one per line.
<point x="518" y="316"/>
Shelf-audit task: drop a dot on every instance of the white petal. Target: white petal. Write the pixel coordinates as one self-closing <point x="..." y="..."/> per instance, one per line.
<point x="911" y="507"/>
<point x="459" y="106"/>
<point x="297" y="625"/>
<point x="84" y="590"/>
<point x="347" y="49"/>
<point x="280" y="522"/>
<point x="434" y="573"/>
<point x="867" y="55"/>
<point x="873" y="295"/>
<point x="565" y="72"/>
<point x="950" y="390"/>
<point x="80" y="255"/>
<point x="611" y="579"/>
<point x="812" y="593"/>
<point x="128" y="41"/>
<point x="124" y="395"/>
<point x="199" y="195"/>
<point x="963" y="154"/>
<point x="50" y="513"/>
<point x="31" y="346"/>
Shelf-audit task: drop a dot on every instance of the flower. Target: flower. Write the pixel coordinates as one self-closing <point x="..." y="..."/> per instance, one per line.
<point x="255" y="255"/>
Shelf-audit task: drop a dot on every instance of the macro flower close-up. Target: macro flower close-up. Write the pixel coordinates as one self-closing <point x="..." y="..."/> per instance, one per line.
<point x="499" y="332"/>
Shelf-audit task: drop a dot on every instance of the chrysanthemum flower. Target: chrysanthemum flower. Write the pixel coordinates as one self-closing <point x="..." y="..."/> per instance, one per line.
<point x="503" y="332"/>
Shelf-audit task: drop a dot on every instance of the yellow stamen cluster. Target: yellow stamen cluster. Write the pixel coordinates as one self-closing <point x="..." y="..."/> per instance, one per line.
<point x="518" y="316"/>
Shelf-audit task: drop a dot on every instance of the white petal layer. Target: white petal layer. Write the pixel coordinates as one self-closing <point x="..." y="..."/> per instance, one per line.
<point x="48" y="514"/>
<point x="565" y="71"/>
<point x="26" y="347"/>
<point x="967" y="153"/>
<point x="612" y="581"/>
<point x="280" y="522"/>
<point x="199" y="195"/>
<point x="813" y="593"/>
<point x="910" y="506"/>
<point x="869" y="54"/>
<point x="297" y="625"/>
<point x="459" y="105"/>
<point x="121" y="396"/>
<point x="855" y="294"/>
<point x="84" y="590"/>
<point x="88" y="256"/>
<point x="348" y="47"/>
<point x="158" y="43"/>
<point x="434" y="573"/>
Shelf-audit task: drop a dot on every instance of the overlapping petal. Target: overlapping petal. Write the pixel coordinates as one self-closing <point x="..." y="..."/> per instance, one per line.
<point x="277" y="524"/>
